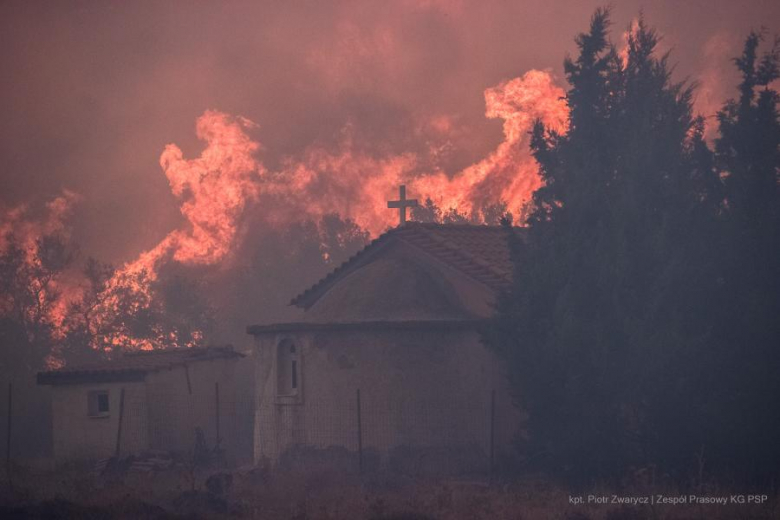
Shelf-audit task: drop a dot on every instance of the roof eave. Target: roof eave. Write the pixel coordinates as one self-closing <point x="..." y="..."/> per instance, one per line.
<point x="74" y="378"/>
<point x="273" y="328"/>
<point x="109" y="374"/>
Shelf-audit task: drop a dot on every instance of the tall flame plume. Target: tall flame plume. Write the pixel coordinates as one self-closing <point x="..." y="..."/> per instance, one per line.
<point x="228" y="181"/>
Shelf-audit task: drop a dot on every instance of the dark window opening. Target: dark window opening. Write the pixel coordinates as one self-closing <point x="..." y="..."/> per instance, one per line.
<point x="288" y="368"/>
<point x="98" y="404"/>
<point x="102" y="403"/>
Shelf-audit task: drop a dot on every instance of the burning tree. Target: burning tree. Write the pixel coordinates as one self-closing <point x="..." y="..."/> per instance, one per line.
<point x="124" y="311"/>
<point x="31" y="301"/>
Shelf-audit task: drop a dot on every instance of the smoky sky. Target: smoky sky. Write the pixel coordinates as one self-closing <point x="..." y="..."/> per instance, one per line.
<point x="93" y="91"/>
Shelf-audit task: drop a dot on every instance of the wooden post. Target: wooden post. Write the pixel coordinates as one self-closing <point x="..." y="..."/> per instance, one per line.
<point x="359" y="434"/>
<point x="121" y="419"/>
<point x="492" y="430"/>
<point x="187" y="374"/>
<point x="216" y="397"/>
<point x="8" y="436"/>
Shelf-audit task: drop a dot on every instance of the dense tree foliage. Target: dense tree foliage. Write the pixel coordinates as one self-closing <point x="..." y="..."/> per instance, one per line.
<point x="641" y="331"/>
<point x="746" y="339"/>
<point x="490" y="214"/>
<point x="30" y="299"/>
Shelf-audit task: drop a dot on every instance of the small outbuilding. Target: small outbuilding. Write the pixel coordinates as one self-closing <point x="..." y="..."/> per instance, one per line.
<point x="148" y="400"/>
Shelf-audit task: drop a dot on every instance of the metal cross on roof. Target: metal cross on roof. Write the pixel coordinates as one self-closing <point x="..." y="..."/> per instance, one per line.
<point x="402" y="204"/>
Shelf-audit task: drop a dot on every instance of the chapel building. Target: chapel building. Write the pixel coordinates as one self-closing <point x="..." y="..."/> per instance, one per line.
<point x="385" y="359"/>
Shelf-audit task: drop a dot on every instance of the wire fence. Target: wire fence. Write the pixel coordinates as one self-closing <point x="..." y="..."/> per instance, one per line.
<point x="361" y="431"/>
<point x="377" y="433"/>
<point x="217" y="422"/>
<point x="62" y="428"/>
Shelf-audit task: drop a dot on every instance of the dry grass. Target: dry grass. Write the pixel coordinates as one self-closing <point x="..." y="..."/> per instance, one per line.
<point x="326" y="495"/>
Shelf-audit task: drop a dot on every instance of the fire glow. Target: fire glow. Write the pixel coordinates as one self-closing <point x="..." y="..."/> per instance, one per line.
<point x="216" y="188"/>
<point x="228" y="179"/>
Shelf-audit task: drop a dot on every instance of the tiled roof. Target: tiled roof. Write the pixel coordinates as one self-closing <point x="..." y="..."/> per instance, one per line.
<point x="481" y="252"/>
<point x="137" y="364"/>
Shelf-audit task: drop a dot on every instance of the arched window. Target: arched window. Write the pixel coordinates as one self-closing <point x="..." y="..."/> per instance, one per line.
<point x="287" y="368"/>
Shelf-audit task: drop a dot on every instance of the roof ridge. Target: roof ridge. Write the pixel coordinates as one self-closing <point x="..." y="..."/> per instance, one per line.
<point x="343" y="264"/>
<point x="426" y="230"/>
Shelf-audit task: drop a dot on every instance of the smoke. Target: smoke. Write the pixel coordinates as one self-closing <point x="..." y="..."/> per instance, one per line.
<point x="93" y="93"/>
<point x="226" y="192"/>
<point x="509" y="174"/>
<point x="27" y="224"/>
<point x="354" y="99"/>
<point x="717" y="78"/>
<point x="228" y="179"/>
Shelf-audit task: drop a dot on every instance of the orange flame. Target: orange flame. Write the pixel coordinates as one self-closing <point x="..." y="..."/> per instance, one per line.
<point x="27" y="229"/>
<point x="357" y="186"/>
<point x="217" y="187"/>
<point x="214" y="189"/>
<point x="626" y="36"/>
<point x="509" y="173"/>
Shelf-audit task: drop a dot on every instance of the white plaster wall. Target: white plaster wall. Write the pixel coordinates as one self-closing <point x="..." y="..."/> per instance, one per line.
<point x="417" y="389"/>
<point x="77" y="436"/>
<point x="160" y="413"/>
<point x="175" y="413"/>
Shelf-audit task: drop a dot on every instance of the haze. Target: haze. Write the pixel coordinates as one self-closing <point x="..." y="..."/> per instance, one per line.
<point x="93" y="91"/>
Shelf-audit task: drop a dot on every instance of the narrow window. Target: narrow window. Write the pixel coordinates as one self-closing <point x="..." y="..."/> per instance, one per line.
<point x="98" y="403"/>
<point x="288" y="368"/>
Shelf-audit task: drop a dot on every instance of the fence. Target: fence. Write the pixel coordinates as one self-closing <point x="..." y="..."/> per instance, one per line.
<point x="61" y="429"/>
<point x="215" y="419"/>
<point x="368" y="432"/>
<point x="359" y="432"/>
